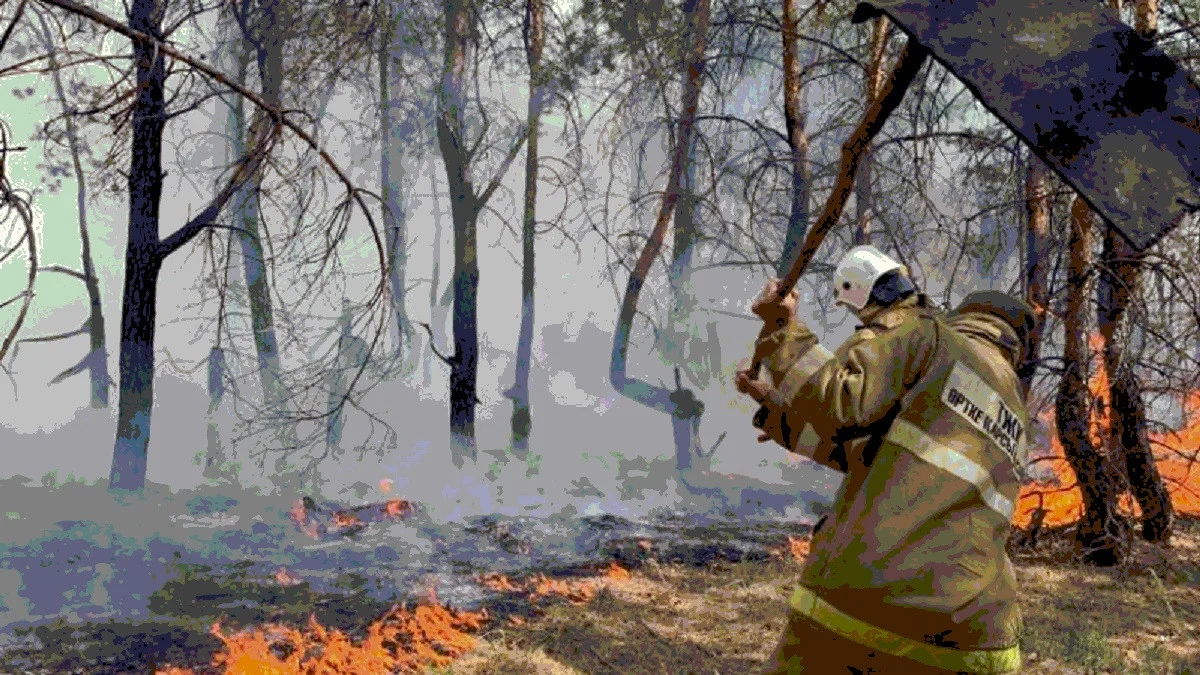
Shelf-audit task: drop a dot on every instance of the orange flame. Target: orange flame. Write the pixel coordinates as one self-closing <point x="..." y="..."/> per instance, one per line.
<point x="402" y="641"/>
<point x="539" y="586"/>
<point x="576" y="592"/>
<point x="299" y="515"/>
<point x="385" y="485"/>
<point x="798" y="547"/>
<point x="286" y="578"/>
<point x="398" y="508"/>
<point x="1063" y="506"/>
<point x="498" y="582"/>
<point x="616" y="573"/>
<point x="346" y="519"/>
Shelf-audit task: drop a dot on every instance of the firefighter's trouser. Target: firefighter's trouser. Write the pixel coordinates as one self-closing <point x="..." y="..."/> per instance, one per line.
<point x="821" y="639"/>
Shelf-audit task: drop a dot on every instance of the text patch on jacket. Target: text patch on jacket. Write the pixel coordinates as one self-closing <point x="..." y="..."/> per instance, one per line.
<point x="968" y="395"/>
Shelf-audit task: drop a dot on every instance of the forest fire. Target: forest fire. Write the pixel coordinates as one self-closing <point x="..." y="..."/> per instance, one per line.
<point x="797" y="549"/>
<point x="405" y="641"/>
<point x="541" y="587"/>
<point x="285" y="578"/>
<point x="1175" y="453"/>
<point x="322" y="522"/>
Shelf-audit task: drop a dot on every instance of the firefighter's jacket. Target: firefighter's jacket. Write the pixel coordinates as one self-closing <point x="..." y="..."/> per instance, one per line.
<point x="924" y="414"/>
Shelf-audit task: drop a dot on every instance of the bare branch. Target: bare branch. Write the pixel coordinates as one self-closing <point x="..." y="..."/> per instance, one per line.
<point x="63" y="269"/>
<point x="12" y="200"/>
<point x="504" y="166"/>
<point x="82" y="330"/>
<point x="12" y="25"/>
<point x="432" y="345"/>
<point x="204" y="219"/>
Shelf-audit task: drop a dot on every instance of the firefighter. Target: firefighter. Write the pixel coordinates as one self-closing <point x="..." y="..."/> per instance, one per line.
<point x="923" y="413"/>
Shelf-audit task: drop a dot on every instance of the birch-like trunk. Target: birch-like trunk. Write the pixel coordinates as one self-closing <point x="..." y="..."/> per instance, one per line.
<point x="394" y="145"/>
<point x="522" y="415"/>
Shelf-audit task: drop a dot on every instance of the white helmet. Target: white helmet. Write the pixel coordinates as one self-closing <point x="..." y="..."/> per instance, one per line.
<point x="857" y="273"/>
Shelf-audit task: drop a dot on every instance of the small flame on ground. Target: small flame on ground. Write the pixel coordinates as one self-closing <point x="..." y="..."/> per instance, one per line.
<point x="286" y="578"/>
<point x="616" y="572"/>
<point x="406" y="641"/>
<point x="398" y="507"/>
<point x="307" y="525"/>
<point x="385" y="485"/>
<point x="798" y="547"/>
<point x="346" y="519"/>
<point x="539" y="586"/>
<point x="576" y="592"/>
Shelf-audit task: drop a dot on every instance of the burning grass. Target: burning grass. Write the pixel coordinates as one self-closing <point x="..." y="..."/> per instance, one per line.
<point x="722" y="617"/>
<point x="403" y="640"/>
<point x="540" y="587"/>
<point x="727" y="617"/>
<point x="1177" y="452"/>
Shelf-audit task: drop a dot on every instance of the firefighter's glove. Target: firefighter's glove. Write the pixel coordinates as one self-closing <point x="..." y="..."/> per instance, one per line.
<point x="771" y="418"/>
<point x="773" y="310"/>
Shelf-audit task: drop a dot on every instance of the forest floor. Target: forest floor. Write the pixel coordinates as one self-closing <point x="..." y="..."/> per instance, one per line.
<point x="724" y="618"/>
<point x="654" y="617"/>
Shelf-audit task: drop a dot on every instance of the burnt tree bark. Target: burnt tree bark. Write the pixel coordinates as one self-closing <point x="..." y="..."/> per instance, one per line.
<point x="1128" y="439"/>
<point x="1100" y="532"/>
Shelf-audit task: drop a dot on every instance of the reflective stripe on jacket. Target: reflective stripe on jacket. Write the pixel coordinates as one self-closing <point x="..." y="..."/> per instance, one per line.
<point x="927" y="420"/>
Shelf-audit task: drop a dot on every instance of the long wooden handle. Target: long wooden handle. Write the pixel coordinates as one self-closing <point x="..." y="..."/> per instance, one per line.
<point x="906" y="69"/>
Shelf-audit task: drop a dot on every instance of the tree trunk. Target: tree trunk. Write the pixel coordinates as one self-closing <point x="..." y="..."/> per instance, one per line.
<point x="522" y="416"/>
<point x="685" y="421"/>
<point x="1100" y="530"/>
<point x="391" y="51"/>
<point x="1037" y="237"/>
<point x="681" y="404"/>
<point x="352" y="355"/>
<point x="797" y="134"/>
<point x="437" y="311"/>
<point x="1128" y="439"/>
<point x="268" y="49"/>
<point x="465" y="207"/>
<point x="217" y="463"/>
<point x="451" y="128"/>
<point x="96" y="360"/>
<point x="872" y="87"/>
<point x="143" y="261"/>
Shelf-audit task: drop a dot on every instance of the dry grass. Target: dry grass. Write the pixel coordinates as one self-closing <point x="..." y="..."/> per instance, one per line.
<point x="725" y="618"/>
